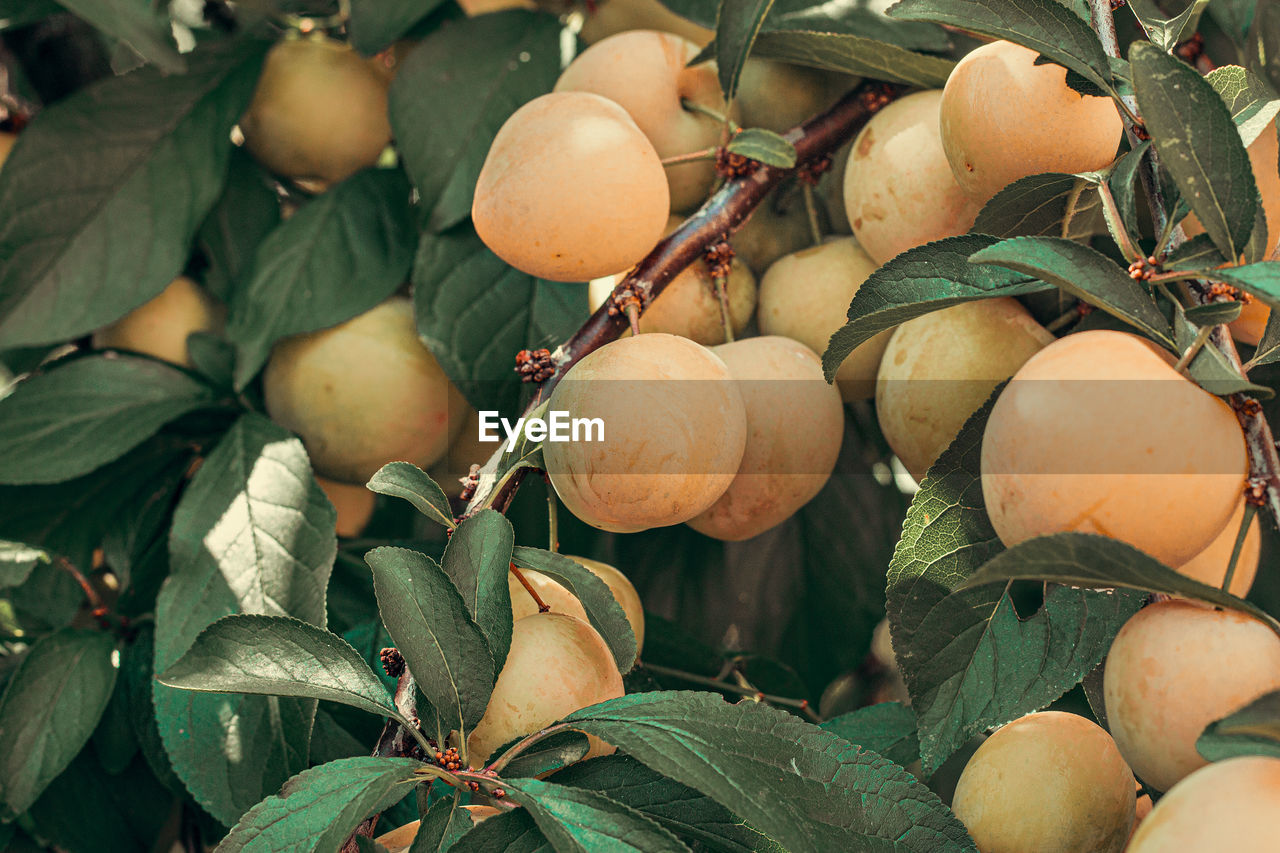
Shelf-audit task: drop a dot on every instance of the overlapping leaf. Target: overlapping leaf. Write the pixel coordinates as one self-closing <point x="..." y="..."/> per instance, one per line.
<point x="1251" y="730"/>
<point x="477" y="559"/>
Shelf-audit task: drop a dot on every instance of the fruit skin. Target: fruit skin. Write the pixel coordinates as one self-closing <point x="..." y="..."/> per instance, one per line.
<point x="941" y="367"/>
<point x="548" y="199"/>
<point x="354" y="505"/>
<point x="1230" y="805"/>
<point x="1048" y="781"/>
<point x="1097" y="433"/>
<point x="399" y="839"/>
<point x="770" y="233"/>
<point x="6" y="145"/>
<point x="899" y="191"/>
<point x="1210" y="565"/>
<point x="1004" y="117"/>
<point x="363" y="393"/>
<point x="674" y="432"/>
<point x="560" y="600"/>
<point x="805" y="296"/>
<point x="688" y="305"/>
<point x="1175" y="667"/>
<point x="617" y="16"/>
<point x="778" y="96"/>
<point x="1252" y="322"/>
<point x="160" y="327"/>
<point x="645" y="71"/>
<point x="557" y="664"/>
<point x="795" y="425"/>
<point x="319" y="112"/>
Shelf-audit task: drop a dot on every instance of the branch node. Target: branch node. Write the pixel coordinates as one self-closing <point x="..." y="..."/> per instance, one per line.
<point x="392" y="662"/>
<point x="534" y="365"/>
<point x="811" y="171"/>
<point x="470" y="482"/>
<point x="730" y="165"/>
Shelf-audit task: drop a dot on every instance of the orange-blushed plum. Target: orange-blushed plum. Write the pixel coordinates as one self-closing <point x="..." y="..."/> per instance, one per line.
<point x="1210" y="565"/>
<point x="557" y="664"/>
<point x="1174" y="668"/>
<point x="795" y="424"/>
<point x="941" y="367"/>
<point x="1004" y="117"/>
<point x="161" y="326"/>
<point x="647" y="73"/>
<point x="674" y="429"/>
<point x="611" y="17"/>
<point x="899" y="191"/>
<point x="354" y="505"/>
<point x="561" y="600"/>
<point x="363" y="393"/>
<point x="571" y="189"/>
<point x="400" y="839"/>
<point x="805" y="296"/>
<point x="1047" y="781"/>
<point x="1230" y="805"/>
<point x="319" y="113"/>
<point x="689" y="306"/>
<point x="1097" y="433"/>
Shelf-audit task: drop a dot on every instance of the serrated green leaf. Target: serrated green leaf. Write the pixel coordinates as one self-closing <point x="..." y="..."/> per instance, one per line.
<point x="1261" y="279"/>
<point x="455" y="90"/>
<point x="852" y="17"/>
<point x="823" y="793"/>
<point x="359" y="231"/>
<point x="50" y="707"/>
<point x="83" y="414"/>
<point x="1198" y="253"/>
<point x="1123" y="182"/>
<point x="1167" y="32"/>
<point x="408" y="481"/>
<point x="243" y="215"/>
<point x="603" y="610"/>
<point x="547" y="756"/>
<point x="888" y="728"/>
<point x="1085" y="273"/>
<point x="738" y="23"/>
<point x="113" y="740"/>
<point x="1213" y="313"/>
<point x="1198" y="144"/>
<point x="576" y="820"/>
<point x="150" y="154"/>
<point x="278" y="656"/>
<point x="1045" y="26"/>
<point x="1048" y="205"/>
<point x="853" y="54"/>
<point x="441" y="827"/>
<point x="513" y="832"/>
<point x="765" y="146"/>
<point x="375" y="25"/>
<point x="17" y="561"/>
<point x="1262" y="51"/>
<point x="477" y="559"/>
<point x="18" y="13"/>
<point x="1268" y="349"/>
<point x="927" y="278"/>
<point x="136" y="24"/>
<point x="252" y="533"/>
<point x="1252" y="103"/>
<point x="443" y="647"/>
<point x="1252" y="730"/>
<point x="319" y="808"/>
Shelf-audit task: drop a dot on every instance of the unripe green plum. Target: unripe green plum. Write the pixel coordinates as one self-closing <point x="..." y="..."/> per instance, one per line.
<point x="795" y="424"/>
<point x="805" y="296"/>
<point x="557" y="664"/>
<point x="363" y="393"/>
<point x="550" y="196"/>
<point x="160" y="327"/>
<point x="561" y="600"/>
<point x="1047" y="781"/>
<point x="772" y="232"/>
<point x="1210" y="565"/>
<point x="1004" y="118"/>
<point x="401" y="838"/>
<point x="940" y="368"/>
<point x="779" y="96"/>
<point x="674" y="431"/>
<point x="319" y="113"/>
<point x="354" y="505"/>
<point x="1230" y="806"/>
<point x="646" y="72"/>
<point x="899" y="191"/>
<point x="611" y="17"/>
<point x="1097" y="433"/>
<point x="1174" y="668"/>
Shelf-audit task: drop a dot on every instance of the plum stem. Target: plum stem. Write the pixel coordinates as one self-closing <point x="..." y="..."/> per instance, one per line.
<point x="1249" y="511"/>
<point x="543" y="607"/>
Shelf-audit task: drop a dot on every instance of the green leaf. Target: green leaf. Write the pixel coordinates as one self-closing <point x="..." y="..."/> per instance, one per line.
<point x="927" y="278"/>
<point x="408" y="481"/>
<point x="888" y="728"/>
<point x="441" y="827"/>
<point x="88" y="412"/>
<point x="1261" y="279"/>
<point x="19" y="13"/>
<point x="49" y="709"/>
<point x="319" y="808"/>
<point x="1268" y="349"/>
<point x="547" y="756"/>
<point x="252" y="533"/>
<point x="477" y="559"/>
<point x="1209" y="368"/>
<point x="455" y="90"/>
<point x="1167" y="32"/>
<point x="1198" y="253"/>
<point x="853" y="54"/>
<point x="1213" y="313"/>
<point x="1089" y="560"/>
<point x="1045" y="26"/>
<point x="376" y="25"/>
<point x="138" y="680"/>
<point x="244" y="214"/>
<point x="1252" y="730"/>
<point x="1252" y="103"/>
<point x="1198" y="144"/>
<point x="513" y="832"/>
<point x="475" y="312"/>
<point x="763" y="145"/>
<point x="603" y="610"/>
<point x="737" y="24"/>
<point x="17" y="561"/>
<point x="150" y="154"/>
<point x="137" y="25"/>
<point x="970" y="660"/>
<point x="852" y="17"/>
<point x="822" y="794"/>
<point x="1085" y="273"/>
<point x="278" y="656"/>
<point x="1123" y="182"/>
<point x="443" y="647"/>
<point x="1046" y="205"/>
<point x="576" y="820"/>
<point x="361" y="231"/>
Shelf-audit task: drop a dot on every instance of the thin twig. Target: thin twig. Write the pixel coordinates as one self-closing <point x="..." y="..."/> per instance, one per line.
<point x="746" y="690"/>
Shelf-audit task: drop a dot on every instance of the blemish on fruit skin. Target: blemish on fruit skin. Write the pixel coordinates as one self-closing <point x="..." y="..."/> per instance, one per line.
<point x="865" y="144"/>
